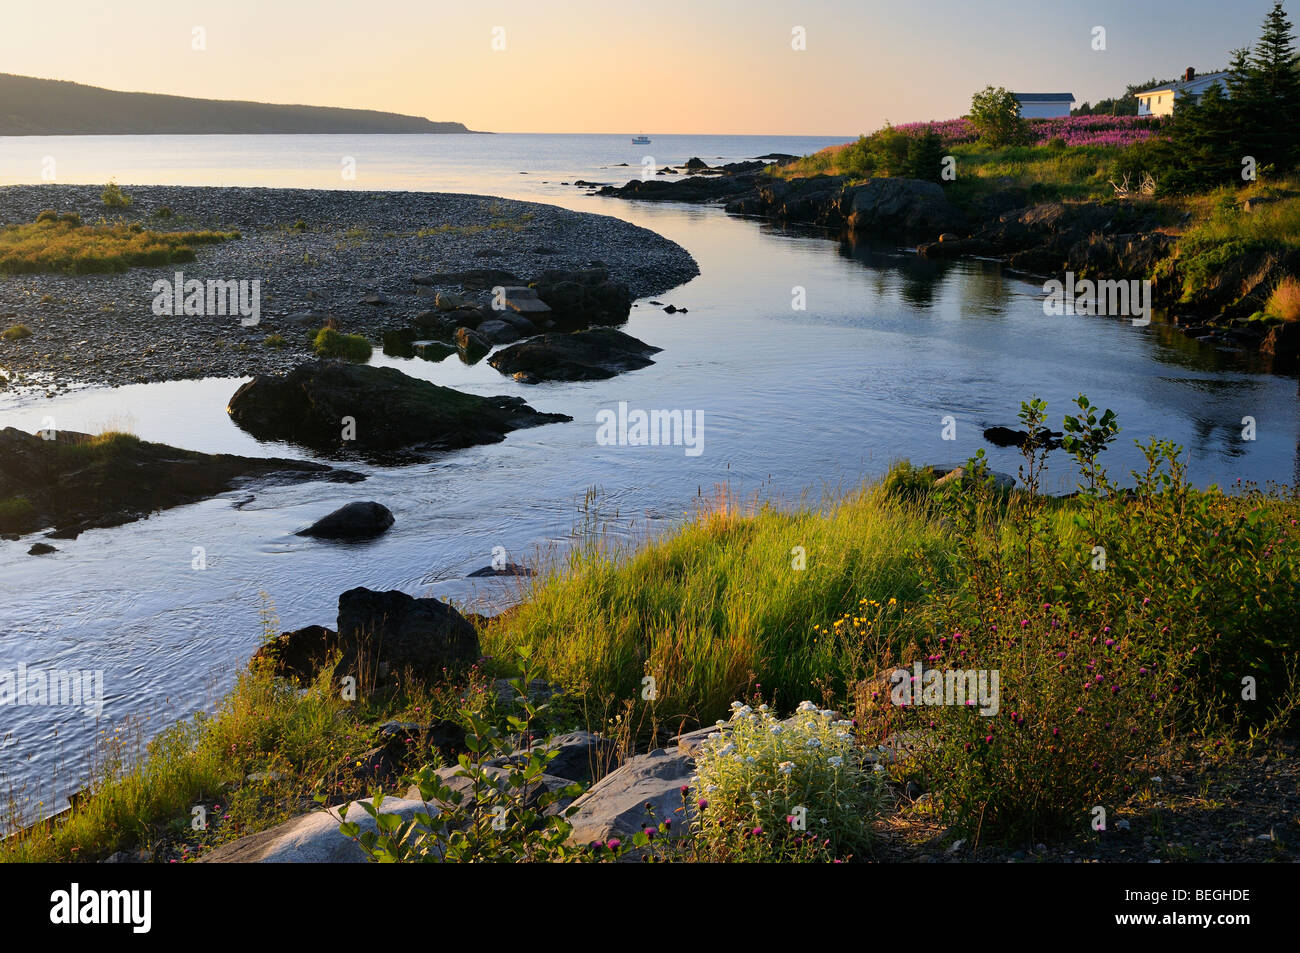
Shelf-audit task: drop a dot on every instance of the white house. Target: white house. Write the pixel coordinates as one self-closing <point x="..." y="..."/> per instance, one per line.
<point x="1159" y="100"/>
<point x="1044" y="105"/>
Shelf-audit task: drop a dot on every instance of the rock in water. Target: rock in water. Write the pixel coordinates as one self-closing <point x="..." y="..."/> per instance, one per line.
<point x="379" y="633"/>
<point x="378" y="411"/>
<point x="593" y="355"/>
<point x="354" y="521"/>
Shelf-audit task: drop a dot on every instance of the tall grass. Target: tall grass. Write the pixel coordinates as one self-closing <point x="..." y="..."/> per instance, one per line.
<point x="721" y="606"/>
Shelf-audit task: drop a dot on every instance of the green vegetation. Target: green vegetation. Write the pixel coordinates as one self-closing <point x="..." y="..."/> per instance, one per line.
<point x="329" y="342"/>
<point x="114" y="197"/>
<point x="995" y="114"/>
<point x="1124" y="105"/>
<point x="17" y="332"/>
<point x="275" y="340"/>
<point x="63" y="244"/>
<point x="15" y="510"/>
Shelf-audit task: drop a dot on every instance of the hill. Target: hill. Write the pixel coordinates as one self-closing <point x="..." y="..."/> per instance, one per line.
<point x="47" y="107"/>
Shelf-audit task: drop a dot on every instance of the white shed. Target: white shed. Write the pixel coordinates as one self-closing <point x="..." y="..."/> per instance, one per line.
<point x="1044" y="105"/>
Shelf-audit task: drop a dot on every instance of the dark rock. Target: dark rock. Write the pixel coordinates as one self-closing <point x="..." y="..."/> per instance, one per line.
<point x="353" y="521"/>
<point x="41" y="549"/>
<point x="473" y="346"/>
<point x="695" y="164"/>
<point x="432" y="350"/>
<point x="379" y="633"/>
<point x="74" y="482"/>
<point x="1006" y="437"/>
<point x="398" y="631"/>
<point x="375" y="299"/>
<point x="510" y="569"/>
<point x="498" y="332"/>
<point x="596" y="354"/>
<point x="391" y="411"/>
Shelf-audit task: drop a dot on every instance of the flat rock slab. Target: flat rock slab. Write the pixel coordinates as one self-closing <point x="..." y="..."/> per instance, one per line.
<point x="592" y="355"/>
<point x="615" y="806"/>
<point x="312" y="838"/>
<point x="378" y="412"/>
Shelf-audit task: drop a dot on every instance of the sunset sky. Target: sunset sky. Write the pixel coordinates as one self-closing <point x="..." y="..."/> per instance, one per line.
<point x="709" y="66"/>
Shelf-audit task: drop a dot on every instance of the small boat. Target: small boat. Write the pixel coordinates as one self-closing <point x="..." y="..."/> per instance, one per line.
<point x="640" y="140"/>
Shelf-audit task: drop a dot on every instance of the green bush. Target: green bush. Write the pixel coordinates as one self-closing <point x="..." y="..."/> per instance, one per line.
<point x="114" y="197"/>
<point x="350" y="347"/>
<point x="17" y="332"/>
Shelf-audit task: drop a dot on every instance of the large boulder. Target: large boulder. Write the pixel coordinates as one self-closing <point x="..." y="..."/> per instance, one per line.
<point x="615" y="806"/>
<point x="379" y="633"/>
<point x="377" y="411"/>
<point x="398" y="631"/>
<point x="353" y="521"/>
<point x="903" y="208"/>
<point x="595" y="354"/>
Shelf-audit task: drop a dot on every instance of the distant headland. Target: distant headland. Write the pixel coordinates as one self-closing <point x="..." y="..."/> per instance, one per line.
<point x="49" y="107"/>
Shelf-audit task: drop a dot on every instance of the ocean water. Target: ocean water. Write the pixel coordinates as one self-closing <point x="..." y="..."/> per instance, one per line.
<point x="794" y="403"/>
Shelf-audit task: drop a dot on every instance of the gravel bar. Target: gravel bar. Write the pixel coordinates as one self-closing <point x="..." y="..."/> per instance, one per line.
<point x="312" y="250"/>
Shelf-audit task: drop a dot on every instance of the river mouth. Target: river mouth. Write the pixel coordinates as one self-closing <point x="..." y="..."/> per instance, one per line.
<point x="794" y="402"/>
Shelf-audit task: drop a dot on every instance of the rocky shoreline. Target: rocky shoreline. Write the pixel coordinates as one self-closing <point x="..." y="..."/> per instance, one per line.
<point x="372" y="260"/>
<point x="1120" y="239"/>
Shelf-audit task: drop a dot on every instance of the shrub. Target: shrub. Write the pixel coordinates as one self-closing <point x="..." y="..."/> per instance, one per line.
<point x="17" y="332"/>
<point x="1284" y="302"/>
<point x="114" y="197"/>
<point x="351" y="347"/>
<point x="275" y="340"/>
<point x="995" y="114"/>
<point x="164" y="212"/>
<point x="49" y="215"/>
<point x="769" y="786"/>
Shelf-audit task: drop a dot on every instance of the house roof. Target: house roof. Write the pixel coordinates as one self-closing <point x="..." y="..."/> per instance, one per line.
<point x="1044" y="97"/>
<point x="1182" y="84"/>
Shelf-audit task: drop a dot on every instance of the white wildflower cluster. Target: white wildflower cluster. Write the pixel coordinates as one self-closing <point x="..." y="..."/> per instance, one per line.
<point x="757" y="770"/>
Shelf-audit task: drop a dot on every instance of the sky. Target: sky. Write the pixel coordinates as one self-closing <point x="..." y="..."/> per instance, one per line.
<point x="626" y="66"/>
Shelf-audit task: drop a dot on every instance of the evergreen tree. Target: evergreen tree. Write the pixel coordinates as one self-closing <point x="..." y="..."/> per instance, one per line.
<point x="1272" y="94"/>
<point x="925" y="155"/>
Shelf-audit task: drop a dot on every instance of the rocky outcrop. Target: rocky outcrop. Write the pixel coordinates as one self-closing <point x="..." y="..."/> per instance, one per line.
<point x="376" y="411"/>
<point x="353" y="521"/>
<point x="76" y="481"/>
<point x="905" y="208"/>
<point x="597" y="354"/>
<point x="580" y="299"/>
